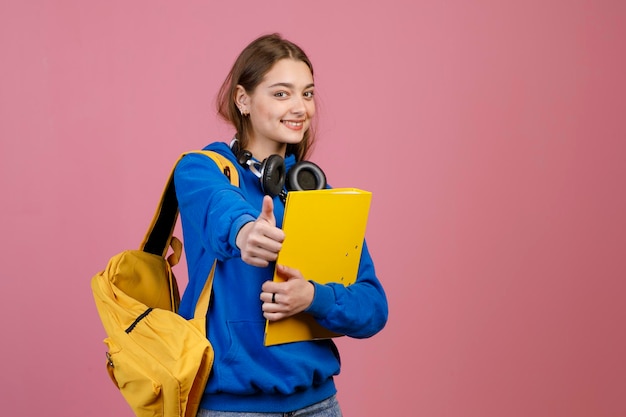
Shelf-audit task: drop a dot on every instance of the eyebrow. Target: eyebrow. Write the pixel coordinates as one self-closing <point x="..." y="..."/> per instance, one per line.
<point x="289" y="85"/>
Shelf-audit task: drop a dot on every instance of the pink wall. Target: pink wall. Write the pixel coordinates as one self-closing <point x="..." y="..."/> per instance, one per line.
<point x="493" y="137"/>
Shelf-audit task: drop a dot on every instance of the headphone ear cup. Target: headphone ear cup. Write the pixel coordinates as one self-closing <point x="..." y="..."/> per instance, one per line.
<point x="304" y="176"/>
<point x="243" y="157"/>
<point x="273" y="175"/>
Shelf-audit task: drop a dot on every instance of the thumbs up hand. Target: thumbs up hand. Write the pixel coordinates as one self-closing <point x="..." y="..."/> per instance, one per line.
<point x="260" y="241"/>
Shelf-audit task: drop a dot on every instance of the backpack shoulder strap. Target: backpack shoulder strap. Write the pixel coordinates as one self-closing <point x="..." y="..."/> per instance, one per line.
<point x="158" y="238"/>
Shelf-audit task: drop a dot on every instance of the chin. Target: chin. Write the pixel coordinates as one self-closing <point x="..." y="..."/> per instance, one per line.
<point x="292" y="140"/>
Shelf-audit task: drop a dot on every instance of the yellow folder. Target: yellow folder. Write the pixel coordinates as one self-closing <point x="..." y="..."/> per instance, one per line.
<point x="324" y="234"/>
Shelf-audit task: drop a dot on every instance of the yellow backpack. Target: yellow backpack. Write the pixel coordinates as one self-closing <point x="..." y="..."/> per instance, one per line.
<point x="159" y="361"/>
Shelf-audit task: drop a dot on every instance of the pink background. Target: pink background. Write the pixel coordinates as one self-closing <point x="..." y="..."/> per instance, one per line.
<point x="492" y="134"/>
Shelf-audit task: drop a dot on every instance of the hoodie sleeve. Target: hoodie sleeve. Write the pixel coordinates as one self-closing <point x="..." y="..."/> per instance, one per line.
<point x="359" y="310"/>
<point x="210" y="205"/>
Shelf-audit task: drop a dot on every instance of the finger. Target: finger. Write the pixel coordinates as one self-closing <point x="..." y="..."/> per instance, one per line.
<point x="262" y="229"/>
<point x="268" y="297"/>
<point x="253" y="261"/>
<point x="267" y="211"/>
<point x="273" y="310"/>
<point x="259" y="257"/>
<point x="271" y="316"/>
<point x="270" y="287"/>
<point x="269" y="235"/>
<point x="265" y="248"/>
<point x="287" y="272"/>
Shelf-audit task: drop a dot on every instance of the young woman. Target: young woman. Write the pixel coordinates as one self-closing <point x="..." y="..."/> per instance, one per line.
<point x="268" y="97"/>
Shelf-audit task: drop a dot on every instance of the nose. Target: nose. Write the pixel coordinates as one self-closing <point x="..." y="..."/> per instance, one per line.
<point x="298" y="106"/>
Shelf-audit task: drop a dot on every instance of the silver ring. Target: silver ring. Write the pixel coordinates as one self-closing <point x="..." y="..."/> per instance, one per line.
<point x="274" y="298"/>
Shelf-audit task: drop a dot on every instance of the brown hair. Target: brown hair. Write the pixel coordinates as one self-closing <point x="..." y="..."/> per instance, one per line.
<point x="256" y="60"/>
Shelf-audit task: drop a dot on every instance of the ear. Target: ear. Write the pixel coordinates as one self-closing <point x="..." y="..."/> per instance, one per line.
<point x="242" y="99"/>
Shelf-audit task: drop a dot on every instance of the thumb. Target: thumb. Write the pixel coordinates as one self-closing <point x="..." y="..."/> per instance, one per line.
<point x="287" y="273"/>
<point x="267" y="211"/>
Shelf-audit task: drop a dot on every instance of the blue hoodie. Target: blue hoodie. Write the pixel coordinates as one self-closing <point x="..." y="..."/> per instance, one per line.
<point x="248" y="376"/>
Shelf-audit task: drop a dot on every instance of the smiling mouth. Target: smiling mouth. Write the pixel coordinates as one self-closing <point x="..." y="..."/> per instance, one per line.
<point x="293" y="124"/>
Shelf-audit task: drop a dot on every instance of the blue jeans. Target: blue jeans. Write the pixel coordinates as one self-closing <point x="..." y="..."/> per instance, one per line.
<point x="327" y="408"/>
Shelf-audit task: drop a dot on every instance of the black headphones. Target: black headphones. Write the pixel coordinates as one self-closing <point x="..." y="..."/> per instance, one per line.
<point x="304" y="175"/>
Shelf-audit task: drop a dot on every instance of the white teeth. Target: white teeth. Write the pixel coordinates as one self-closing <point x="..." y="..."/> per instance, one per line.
<point x="290" y="123"/>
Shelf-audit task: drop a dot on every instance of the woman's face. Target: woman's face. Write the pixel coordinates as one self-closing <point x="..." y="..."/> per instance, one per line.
<point x="280" y="107"/>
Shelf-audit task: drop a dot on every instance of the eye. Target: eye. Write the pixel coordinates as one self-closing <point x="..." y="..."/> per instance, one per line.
<point x="280" y="94"/>
<point x="309" y="94"/>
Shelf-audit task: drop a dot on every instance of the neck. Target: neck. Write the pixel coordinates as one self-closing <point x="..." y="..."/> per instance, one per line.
<point x="261" y="152"/>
